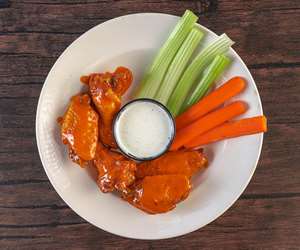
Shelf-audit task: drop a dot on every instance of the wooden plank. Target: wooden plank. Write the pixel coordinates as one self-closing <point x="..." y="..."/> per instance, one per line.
<point x="16" y="91"/>
<point x="25" y="79"/>
<point x="18" y="106"/>
<point x="27" y="163"/>
<point x="32" y="193"/>
<point x="17" y="140"/>
<point x="263" y="226"/>
<point x="16" y="121"/>
<point x="256" y="5"/>
<point x="278" y="169"/>
<point x="225" y="5"/>
<point x="48" y="45"/>
<point x="20" y="66"/>
<point x="48" y="216"/>
<point x="279" y="88"/>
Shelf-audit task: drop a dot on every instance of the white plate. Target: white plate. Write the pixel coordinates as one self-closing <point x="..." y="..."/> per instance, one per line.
<point x="132" y="41"/>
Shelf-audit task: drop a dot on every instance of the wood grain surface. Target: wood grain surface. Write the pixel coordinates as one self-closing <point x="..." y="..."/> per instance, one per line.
<point x="33" y="33"/>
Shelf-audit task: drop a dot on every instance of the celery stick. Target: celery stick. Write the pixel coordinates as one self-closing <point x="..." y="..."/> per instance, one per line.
<point x="155" y="74"/>
<point x="211" y="74"/>
<point x="194" y="70"/>
<point x="178" y="65"/>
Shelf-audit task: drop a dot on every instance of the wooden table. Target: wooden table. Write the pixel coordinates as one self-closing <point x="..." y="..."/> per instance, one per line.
<point x="33" y="33"/>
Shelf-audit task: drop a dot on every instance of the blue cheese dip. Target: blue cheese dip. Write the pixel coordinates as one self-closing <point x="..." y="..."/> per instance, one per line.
<point x="144" y="129"/>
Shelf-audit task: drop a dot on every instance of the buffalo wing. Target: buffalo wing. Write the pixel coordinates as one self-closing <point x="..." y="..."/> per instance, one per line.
<point x="174" y="162"/>
<point x="160" y="193"/>
<point x="79" y="129"/>
<point x="115" y="172"/>
<point x="106" y="90"/>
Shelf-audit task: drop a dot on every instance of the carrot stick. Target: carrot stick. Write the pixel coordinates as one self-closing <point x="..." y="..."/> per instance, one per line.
<point x="208" y="122"/>
<point x="213" y="100"/>
<point x="232" y="129"/>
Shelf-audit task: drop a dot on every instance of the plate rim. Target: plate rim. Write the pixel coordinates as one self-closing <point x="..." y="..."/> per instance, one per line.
<point x="38" y="109"/>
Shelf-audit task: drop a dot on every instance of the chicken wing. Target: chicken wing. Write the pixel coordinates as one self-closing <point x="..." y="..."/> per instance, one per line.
<point x="107" y="103"/>
<point x="106" y="90"/>
<point x="79" y="129"/>
<point x="160" y="193"/>
<point x="174" y="162"/>
<point x="121" y="80"/>
<point x="115" y="172"/>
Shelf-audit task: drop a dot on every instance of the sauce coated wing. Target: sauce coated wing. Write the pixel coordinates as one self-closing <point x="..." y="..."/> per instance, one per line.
<point x="121" y="80"/>
<point x="107" y="103"/>
<point x="160" y="193"/>
<point x="174" y="162"/>
<point x="115" y="172"/>
<point x="79" y="129"/>
<point x="106" y="90"/>
<point x="165" y="181"/>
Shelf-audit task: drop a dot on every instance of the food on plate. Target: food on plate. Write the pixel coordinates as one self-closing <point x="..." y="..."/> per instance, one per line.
<point x="157" y="70"/>
<point x="115" y="172"/>
<point x="208" y="122"/>
<point x="106" y="90"/>
<point x="107" y="103"/>
<point x="146" y="127"/>
<point x="178" y="65"/>
<point x="193" y="72"/>
<point x="79" y="129"/>
<point x="121" y="80"/>
<point x="231" y="129"/>
<point x="159" y="193"/>
<point x="132" y="147"/>
<point x="211" y="74"/>
<point x="212" y="101"/>
<point x="143" y="129"/>
<point x="185" y="162"/>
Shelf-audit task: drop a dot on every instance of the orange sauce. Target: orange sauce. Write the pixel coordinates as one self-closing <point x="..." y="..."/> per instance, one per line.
<point x="160" y="193"/>
<point x="79" y="127"/>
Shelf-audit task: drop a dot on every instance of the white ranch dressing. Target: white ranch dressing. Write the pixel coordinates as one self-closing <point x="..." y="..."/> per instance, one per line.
<point x="144" y="129"/>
